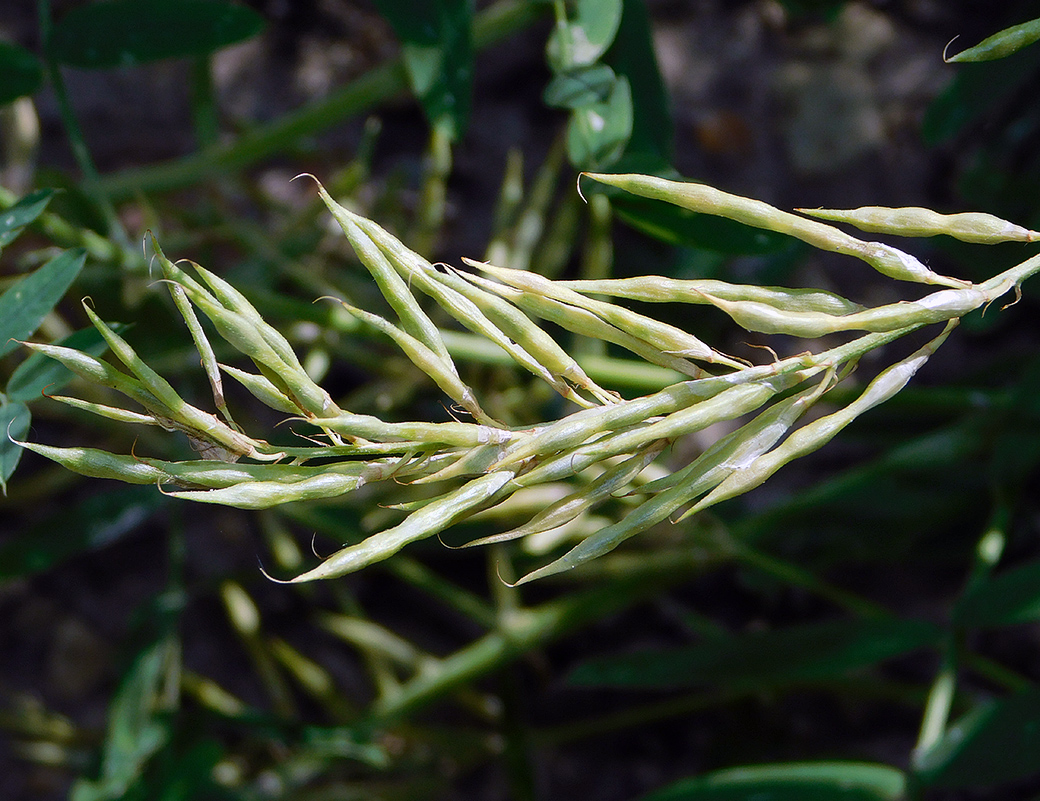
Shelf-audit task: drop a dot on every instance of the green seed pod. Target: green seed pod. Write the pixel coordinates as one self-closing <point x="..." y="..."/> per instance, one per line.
<point x="108" y="412"/>
<point x="425" y="522"/>
<point x="265" y="494"/>
<point x="462" y="435"/>
<point x="659" y="289"/>
<point x="708" y="200"/>
<point x="263" y="390"/>
<point x="99" y="464"/>
<point x="658" y="335"/>
<point x="914" y="221"/>
<point x="206" y="355"/>
<point x="429" y="362"/>
<point x="414" y="320"/>
<point x="1000" y="44"/>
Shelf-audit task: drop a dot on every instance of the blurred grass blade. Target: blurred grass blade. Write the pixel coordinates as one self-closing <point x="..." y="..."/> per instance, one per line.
<point x="121" y="33"/>
<point x="1001" y="44"/>
<point x="20" y="73"/>
<point x="25" y="211"/>
<point x="797" y="654"/>
<point x="791" y="781"/>
<point x="14" y="424"/>
<point x="39" y="373"/>
<point x="437" y="50"/>
<point x="26" y="302"/>
<point x="1006" y="599"/>
<point x="993" y="744"/>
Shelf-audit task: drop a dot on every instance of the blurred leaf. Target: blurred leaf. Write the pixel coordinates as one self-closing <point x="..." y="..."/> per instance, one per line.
<point x="597" y="133"/>
<point x="20" y="72"/>
<point x="807" y="781"/>
<point x="977" y="92"/>
<point x="14" y="220"/>
<point x="1003" y="600"/>
<point x="26" y="302"/>
<point x="14" y="424"/>
<point x="995" y="743"/>
<point x="39" y="373"/>
<point x="1001" y="44"/>
<point x="437" y="49"/>
<point x="95" y="522"/>
<point x="121" y="33"/>
<point x="135" y="730"/>
<point x="580" y="87"/>
<point x="586" y="36"/>
<point x="795" y="654"/>
<point x="677" y="226"/>
<point x="650" y="146"/>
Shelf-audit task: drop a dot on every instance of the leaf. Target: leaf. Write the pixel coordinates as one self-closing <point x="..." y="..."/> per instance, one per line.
<point x="135" y="731"/>
<point x="437" y="51"/>
<point x="39" y="373"/>
<point x="26" y="302"/>
<point x="995" y="743"/>
<point x="95" y="522"/>
<point x="580" y="87"/>
<point x="20" y="72"/>
<point x="796" y="654"/>
<point x="585" y="36"/>
<point x="1001" y="44"/>
<point x="678" y="226"/>
<point x="14" y="424"/>
<point x="1003" y="600"/>
<point x="806" y="781"/>
<point x="650" y="146"/>
<point x="597" y="133"/>
<point x="14" y="220"/>
<point x="121" y="33"/>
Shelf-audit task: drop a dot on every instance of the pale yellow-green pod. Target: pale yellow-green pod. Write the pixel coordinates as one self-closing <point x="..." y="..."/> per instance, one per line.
<point x="660" y="289"/>
<point x="583" y="322"/>
<point x="473" y="462"/>
<point x="462" y="435"/>
<point x="206" y="354"/>
<point x="413" y="319"/>
<point x="429" y="362"/>
<point x="816" y="434"/>
<point x="708" y="200"/>
<point x="265" y="494"/>
<point x="655" y="333"/>
<point x="96" y="463"/>
<point x="1001" y="44"/>
<point x="425" y="522"/>
<point x="263" y="390"/>
<point x="975" y="227"/>
<point x="108" y="412"/>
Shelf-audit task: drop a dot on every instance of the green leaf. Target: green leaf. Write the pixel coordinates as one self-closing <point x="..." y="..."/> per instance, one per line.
<point x="580" y="87"/>
<point x="1003" y="600"/>
<point x="20" y="72"/>
<point x="796" y="654"/>
<point x="678" y="226"/>
<point x="650" y="146"/>
<point x="39" y="373"/>
<point x="135" y="730"/>
<point x="14" y="219"/>
<point x="14" y="424"/>
<point x="807" y="781"/>
<point x="597" y="133"/>
<point x="995" y="743"/>
<point x="586" y="35"/>
<point x="1001" y="44"/>
<point x="26" y="302"/>
<point x="437" y="49"/>
<point x="95" y="522"/>
<point x="121" y="33"/>
<point x="976" y="94"/>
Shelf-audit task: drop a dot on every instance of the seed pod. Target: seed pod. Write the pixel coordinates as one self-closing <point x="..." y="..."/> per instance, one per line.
<point x="585" y="323"/>
<point x="429" y="362"/>
<point x="206" y="355"/>
<point x="108" y="412"/>
<point x="914" y="221"/>
<point x="814" y="435"/>
<point x="99" y="464"/>
<point x="413" y="319"/>
<point x="659" y="335"/>
<point x="659" y="289"/>
<point x="1000" y="44"/>
<point x="425" y="522"/>
<point x="708" y="200"/>
<point x="263" y="390"/>
<point x="462" y="435"/>
<point x="265" y="494"/>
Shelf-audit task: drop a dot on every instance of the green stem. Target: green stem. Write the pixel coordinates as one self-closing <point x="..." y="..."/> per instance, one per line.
<point x="374" y="87"/>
